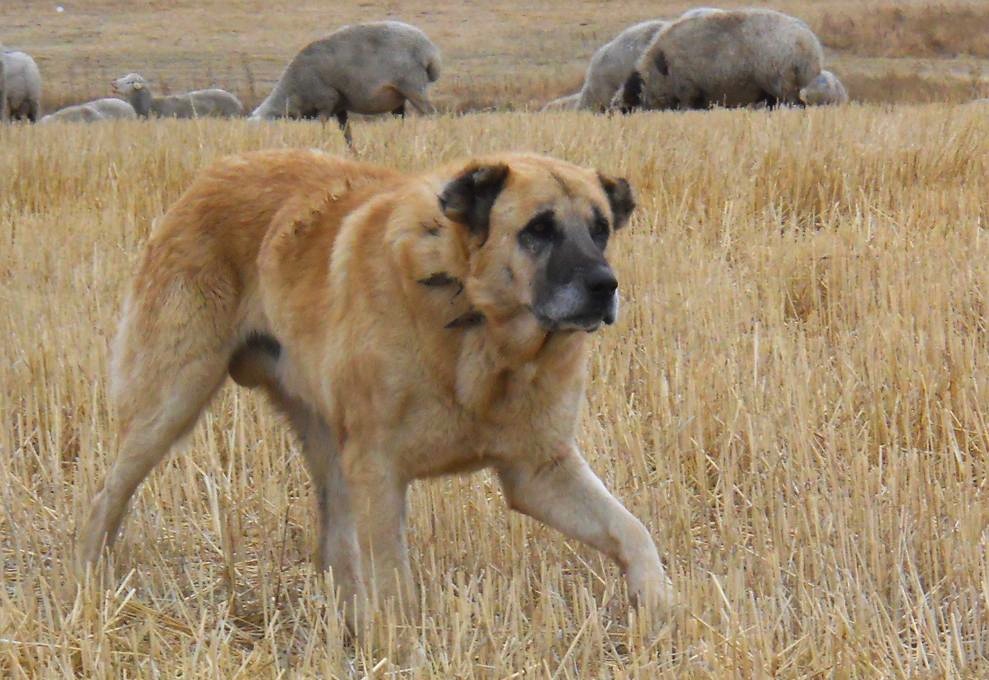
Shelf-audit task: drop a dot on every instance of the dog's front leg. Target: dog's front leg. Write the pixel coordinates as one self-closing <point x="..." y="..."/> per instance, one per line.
<point x="562" y="491"/>
<point x="377" y="497"/>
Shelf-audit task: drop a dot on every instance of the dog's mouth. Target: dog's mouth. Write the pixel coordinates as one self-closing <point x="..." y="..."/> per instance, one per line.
<point x="570" y="308"/>
<point x="588" y="323"/>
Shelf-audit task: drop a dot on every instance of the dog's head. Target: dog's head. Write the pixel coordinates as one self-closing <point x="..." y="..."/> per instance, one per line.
<point x="539" y="231"/>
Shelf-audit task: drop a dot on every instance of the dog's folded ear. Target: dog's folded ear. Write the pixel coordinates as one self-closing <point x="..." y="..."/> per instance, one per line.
<point x="619" y="195"/>
<point x="468" y="198"/>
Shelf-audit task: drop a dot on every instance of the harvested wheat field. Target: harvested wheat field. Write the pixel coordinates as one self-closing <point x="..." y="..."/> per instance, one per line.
<point x="793" y="401"/>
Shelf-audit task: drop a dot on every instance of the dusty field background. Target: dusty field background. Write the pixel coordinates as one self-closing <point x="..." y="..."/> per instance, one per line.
<point x="794" y="403"/>
<point x="793" y="400"/>
<point x="505" y="55"/>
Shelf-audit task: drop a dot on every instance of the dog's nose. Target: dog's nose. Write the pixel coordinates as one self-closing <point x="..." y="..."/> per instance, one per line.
<point x="601" y="281"/>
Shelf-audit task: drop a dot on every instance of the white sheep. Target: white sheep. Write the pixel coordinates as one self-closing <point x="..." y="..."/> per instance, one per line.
<point x="3" y="92"/>
<point x="571" y="102"/>
<point x="22" y="81"/>
<point x="364" y="68"/>
<point x="107" y="108"/>
<point x="609" y="68"/>
<point x="824" y="90"/>
<point x="700" y="12"/>
<point x="78" y="113"/>
<point x="213" y="102"/>
<point x="724" y="58"/>
<point x="614" y="62"/>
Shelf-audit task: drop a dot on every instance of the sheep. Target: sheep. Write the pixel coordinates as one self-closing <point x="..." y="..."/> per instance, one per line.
<point x="3" y="92"/>
<point x="196" y="104"/>
<point x="100" y="109"/>
<point x="700" y="12"/>
<point x="724" y="58"/>
<point x="362" y="68"/>
<point x="23" y="86"/>
<point x="612" y="64"/>
<point x="825" y="89"/>
<point x="569" y="103"/>
<point x="109" y="107"/>
<point x="80" y="113"/>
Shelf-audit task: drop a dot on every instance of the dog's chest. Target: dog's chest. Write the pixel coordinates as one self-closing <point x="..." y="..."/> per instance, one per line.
<point x="440" y="436"/>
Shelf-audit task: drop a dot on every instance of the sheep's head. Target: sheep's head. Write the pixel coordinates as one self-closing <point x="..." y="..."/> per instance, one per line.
<point x="823" y="90"/>
<point x="657" y="86"/>
<point x="648" y="87"/>
<point x="132" y="82"/>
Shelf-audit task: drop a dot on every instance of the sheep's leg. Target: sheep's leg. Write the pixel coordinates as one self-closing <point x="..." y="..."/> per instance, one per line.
<point x="769" y="100"/>
<point x="325" y="101"/>
<point x="344" y="122"/>
<point x="629" y="97"/>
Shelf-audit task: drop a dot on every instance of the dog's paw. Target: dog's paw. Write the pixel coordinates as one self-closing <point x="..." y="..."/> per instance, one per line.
<point x="652" y="594"/>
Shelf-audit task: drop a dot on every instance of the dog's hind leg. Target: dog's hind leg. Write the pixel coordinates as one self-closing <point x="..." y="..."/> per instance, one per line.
<point x="171" y="355"/>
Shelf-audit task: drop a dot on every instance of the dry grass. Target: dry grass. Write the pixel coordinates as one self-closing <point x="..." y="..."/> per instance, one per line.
<point x="506" y="55"/>
<point x="793" y="402"/>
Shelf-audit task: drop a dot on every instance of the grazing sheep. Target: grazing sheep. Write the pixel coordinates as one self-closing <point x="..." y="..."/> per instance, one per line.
<point x="609" y="68"/>
<point x="109" y="107"/>
<point x="824" y="90"/>
<point x="80" y="113"/>
<point x="213" y="103"/>
<point x="364" y="68"/>
<point x="569" y="103"/>
<point x="700" y="12"/>
<point x="3" y="93"/>
<point x="614" y="62"/>
<point x="725" y="58"/>
<point x="23" y="86"/>
<point x="100" y="109"/>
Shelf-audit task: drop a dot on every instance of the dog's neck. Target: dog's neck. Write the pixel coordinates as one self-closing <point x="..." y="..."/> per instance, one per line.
<point x="503" y="358"/>
<point x="493" y="350"/>
<point x="496" y="352"/>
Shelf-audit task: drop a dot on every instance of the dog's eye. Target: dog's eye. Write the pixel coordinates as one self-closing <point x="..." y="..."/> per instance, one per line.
<point x="539" y="232"/>
<point x="599" y="230"/>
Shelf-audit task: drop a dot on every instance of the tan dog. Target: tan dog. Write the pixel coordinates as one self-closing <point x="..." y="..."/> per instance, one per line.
<point x="409" y="326"/>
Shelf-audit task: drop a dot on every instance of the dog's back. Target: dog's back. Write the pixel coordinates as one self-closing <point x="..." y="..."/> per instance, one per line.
<point x="200" y="268"/>
<point x="227" y="211"/>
